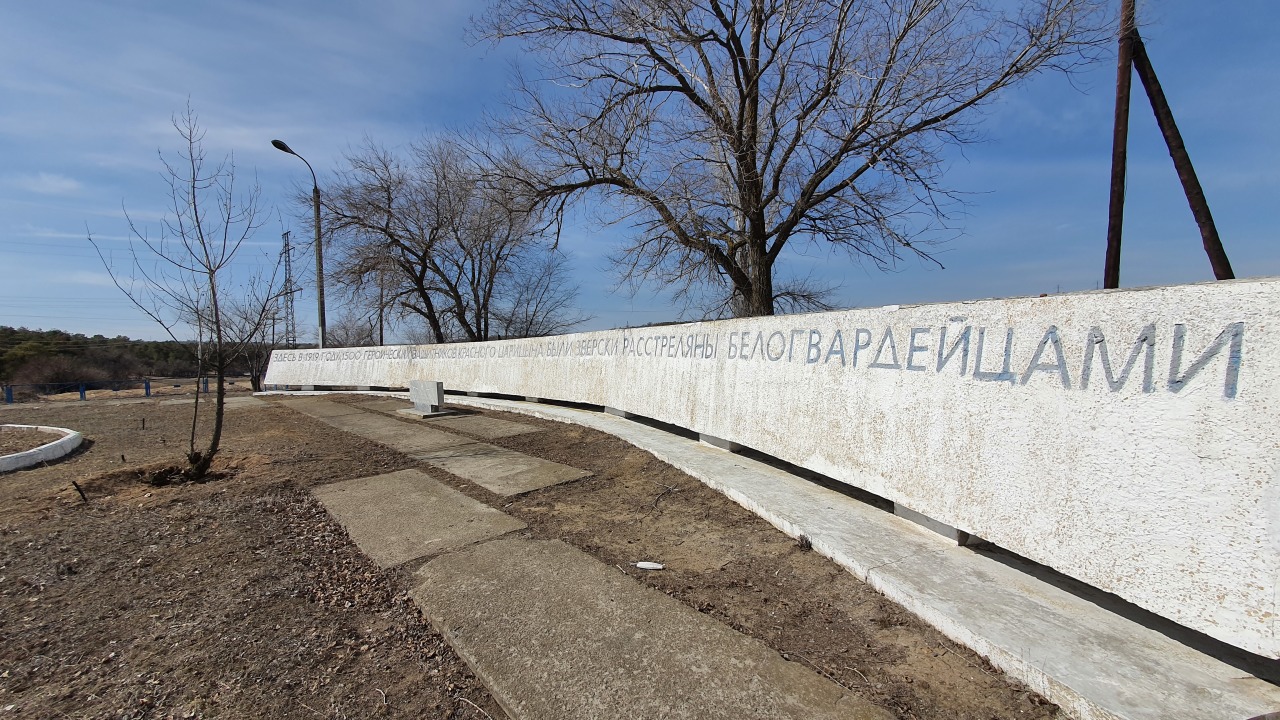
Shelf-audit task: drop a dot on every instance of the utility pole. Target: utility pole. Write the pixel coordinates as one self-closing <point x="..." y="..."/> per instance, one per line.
<point x="1133" y="56"/>
<point x="1119" y="146"/>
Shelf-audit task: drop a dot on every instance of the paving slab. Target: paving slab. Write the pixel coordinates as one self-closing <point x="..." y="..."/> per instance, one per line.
<point x="239" y="401"/>
<point x="387" y="406"/>
<point x="1066" y="645"/>
<point x="557" y="635"/>
<point x="319" y="407"/>
<point x="404" y="437"/>
<point x="401" y="435"/>
<point x="503" y="471"/>
<point x="244" y="401"/>
<point x="489" y="428"/>
<point x="179" y="401"/>
<point x="406" y="515"/>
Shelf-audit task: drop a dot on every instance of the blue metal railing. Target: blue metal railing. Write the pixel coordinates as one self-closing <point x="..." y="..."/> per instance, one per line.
<point x="14" y="392"/>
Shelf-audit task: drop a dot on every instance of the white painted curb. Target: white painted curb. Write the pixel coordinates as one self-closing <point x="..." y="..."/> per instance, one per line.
<point x="69" y="441"/>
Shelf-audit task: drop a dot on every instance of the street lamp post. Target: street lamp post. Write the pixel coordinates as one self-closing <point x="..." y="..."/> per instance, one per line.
<point x="315" y="202"/>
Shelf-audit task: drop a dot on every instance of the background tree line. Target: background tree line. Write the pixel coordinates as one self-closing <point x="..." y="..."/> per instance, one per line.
<point x="54" y="356"/>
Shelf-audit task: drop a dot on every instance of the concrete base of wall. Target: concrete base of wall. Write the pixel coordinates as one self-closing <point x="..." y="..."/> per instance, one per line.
<point x="721" y="443"/>
<point x="959" y="537"/>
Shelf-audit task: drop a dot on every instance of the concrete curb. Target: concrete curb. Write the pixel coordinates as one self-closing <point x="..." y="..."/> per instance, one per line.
<point x="1092" y="662"/>
<point x="399" y="394"/>
<point x="69" y="441"/>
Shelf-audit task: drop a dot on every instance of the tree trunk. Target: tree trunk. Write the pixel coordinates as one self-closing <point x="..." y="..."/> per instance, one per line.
<point x="201" y="466"/>
<point x="759" y="298"/>
<point x="1119" y="146"/>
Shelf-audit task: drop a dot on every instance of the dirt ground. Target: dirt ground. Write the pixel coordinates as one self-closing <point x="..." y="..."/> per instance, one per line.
<point x="16" y="440"/>
<point x="241" y="597"/>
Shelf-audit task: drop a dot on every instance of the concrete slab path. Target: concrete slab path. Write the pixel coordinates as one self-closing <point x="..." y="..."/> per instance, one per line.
<point x="406" y="515"/>
<point x="238" y="401"/>
<point x="318" y="407"/>
<point x="401" y="436"/>
<point x="489" y="428"/>
<point x="388" y="405"/>
<point x="558" y="635"/>
<point x="503" y="471"/>
<point x="1066" y="645"/>
<point x="405" y="438"/>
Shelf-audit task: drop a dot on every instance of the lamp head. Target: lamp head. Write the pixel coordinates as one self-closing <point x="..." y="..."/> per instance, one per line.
<point x="282" y="147"/>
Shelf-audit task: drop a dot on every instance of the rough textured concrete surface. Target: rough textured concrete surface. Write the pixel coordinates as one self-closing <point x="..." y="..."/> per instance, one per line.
<point x="1125" y="438"/>
<point x="557" y="635"/>
<point x="503" y="471"/>
<point x="405" y="515"/>
<point x="1096" y="664"/>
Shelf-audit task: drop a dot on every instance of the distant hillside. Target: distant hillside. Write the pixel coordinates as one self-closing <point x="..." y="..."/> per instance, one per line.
<point x="54" y="356"/>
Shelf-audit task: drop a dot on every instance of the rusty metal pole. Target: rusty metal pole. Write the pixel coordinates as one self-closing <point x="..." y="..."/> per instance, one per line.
<point x="1182" y="163"/>
<point x="1119" y="145"/>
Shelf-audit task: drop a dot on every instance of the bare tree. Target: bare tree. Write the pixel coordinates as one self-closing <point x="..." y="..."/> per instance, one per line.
<point x="538" y="300"/>
<point x="183" y="278"/>
<point x="352" y="330"/>
<point x="443" y="238"/>
<point x="254" y="319"/>
<point x="728" y="129"/>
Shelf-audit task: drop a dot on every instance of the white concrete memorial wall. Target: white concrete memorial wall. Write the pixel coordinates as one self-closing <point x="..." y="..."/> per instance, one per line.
<point x="1129" y="439"/>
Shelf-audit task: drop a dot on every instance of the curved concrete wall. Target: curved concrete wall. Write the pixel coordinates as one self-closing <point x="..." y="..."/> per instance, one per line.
<point x="1130" y="439"/>
<point x="69" y="441"/>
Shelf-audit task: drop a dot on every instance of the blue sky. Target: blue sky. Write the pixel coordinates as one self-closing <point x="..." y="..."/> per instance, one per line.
<point x="87" y="90"/>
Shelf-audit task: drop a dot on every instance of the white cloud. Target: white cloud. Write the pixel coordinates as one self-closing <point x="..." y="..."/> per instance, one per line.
<point x="45" y="183"/>
<point x="87" y="277"/>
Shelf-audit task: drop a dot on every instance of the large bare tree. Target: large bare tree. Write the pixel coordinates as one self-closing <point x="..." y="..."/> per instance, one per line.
<point x="729" y="129"/>
<point x="445" y="239"/>
<point x="182" y="276"/>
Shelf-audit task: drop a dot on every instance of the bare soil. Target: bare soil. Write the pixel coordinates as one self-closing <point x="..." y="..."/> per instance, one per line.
<point x="241" y="597"/>
<point x="16" y="440"/>
<point x="236" y="598"/>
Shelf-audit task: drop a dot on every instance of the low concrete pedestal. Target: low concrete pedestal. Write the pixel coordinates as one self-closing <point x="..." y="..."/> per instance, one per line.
<point x="428" y="400"/>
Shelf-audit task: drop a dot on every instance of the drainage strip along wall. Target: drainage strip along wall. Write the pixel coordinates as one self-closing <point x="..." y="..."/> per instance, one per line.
<point x="1129" y="439"/>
